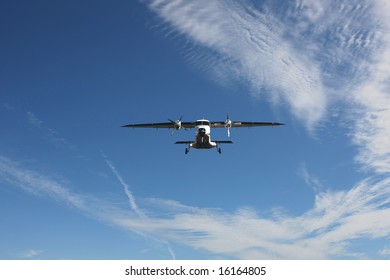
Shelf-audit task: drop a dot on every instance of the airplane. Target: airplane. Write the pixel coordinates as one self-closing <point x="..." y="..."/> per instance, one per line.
<point x="203" y="128"/>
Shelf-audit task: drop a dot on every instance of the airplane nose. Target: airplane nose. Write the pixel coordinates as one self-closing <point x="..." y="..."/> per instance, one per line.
<point x="202" y="131"/>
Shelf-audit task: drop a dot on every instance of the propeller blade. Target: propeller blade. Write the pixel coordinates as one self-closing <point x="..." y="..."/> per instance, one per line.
<point x="177" y="124"/>
<point x="228" y="124"/>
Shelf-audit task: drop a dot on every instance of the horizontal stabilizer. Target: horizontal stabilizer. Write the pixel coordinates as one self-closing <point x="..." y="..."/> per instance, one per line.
<point x="223" y="142"/>
<point x="185" y="142"/>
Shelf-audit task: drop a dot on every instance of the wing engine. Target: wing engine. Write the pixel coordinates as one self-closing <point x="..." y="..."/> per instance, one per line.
<point x="228" y="124"/>
<point x="176" y="124"/>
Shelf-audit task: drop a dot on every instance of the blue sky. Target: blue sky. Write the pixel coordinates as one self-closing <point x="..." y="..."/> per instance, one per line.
<point x="75" y="185"/>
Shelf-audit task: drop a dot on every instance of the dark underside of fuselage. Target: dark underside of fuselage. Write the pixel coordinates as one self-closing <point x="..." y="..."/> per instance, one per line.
<point x="202" y="141"/>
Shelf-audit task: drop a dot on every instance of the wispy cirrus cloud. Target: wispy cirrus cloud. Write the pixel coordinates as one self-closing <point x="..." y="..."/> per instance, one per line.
<point x="372" y="127"/>
<point x="249" y="45"/>
<point x="303" y="54"/>
<point x="47" y="132"/>
<point x="310" y="55"/>
<point x="324" y="231"/>
<point x="385" y="252"/>
<point x="36" y="184"/>
<point x="31" y="253"/>
<point x="108" y="212"/>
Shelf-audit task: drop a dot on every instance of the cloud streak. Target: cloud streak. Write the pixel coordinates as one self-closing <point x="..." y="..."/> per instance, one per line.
<point x="48" y="133"/>
<point x="29" y="254"/>
<point x="126" y="188"/>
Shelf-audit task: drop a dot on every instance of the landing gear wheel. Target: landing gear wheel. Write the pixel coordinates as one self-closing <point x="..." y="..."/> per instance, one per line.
<point x="186" y="151"/>
<point x="219" y="150"/>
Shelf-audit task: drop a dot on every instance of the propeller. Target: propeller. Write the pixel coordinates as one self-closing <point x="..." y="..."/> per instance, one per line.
<point x="177" y="124"/>
<point x="228" y="124"/>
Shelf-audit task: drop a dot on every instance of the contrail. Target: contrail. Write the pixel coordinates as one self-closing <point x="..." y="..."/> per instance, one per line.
<point x="126" y="188"/>
<point x="171" y="252"/>
<point x="133" y="203"/>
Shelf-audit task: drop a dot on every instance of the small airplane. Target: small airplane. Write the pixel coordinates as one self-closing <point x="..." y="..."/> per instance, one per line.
<point x="202" y="127"/>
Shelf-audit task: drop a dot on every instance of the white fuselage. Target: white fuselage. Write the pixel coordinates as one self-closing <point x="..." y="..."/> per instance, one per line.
<point x="202" y="137"/>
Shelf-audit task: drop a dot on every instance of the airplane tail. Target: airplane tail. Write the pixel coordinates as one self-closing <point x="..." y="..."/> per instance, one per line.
<point x="192" y="142"/>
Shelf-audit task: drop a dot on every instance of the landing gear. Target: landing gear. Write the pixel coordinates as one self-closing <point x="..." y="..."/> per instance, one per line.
<point x="219" y="150"/>
<point x="188" y="149"/>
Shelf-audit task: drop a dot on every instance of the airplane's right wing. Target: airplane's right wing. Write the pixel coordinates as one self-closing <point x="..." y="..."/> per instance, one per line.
<point x="161" y="125"/>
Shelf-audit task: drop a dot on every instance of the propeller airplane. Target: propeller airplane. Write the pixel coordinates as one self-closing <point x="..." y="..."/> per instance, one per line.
<point x="203" y="128"/>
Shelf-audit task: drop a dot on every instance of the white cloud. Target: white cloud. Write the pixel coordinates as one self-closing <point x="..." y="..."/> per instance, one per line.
<point x="372" y="130"/>
<point x="250" y="46"/>
<point x="325" y="231"/>
<point x="306" y="54"/>
<point x="48" y="133"/>
<point x="33" y="120"/>
<point x="8" y="107"/>
<point x="310" y="180"/>
<point x="385" y="252"/>
<point x="29" y="254"/>
<point x="372" y="125"/>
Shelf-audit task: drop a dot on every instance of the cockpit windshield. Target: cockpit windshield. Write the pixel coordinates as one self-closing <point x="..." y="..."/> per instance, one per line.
<point x="203" y="122"/>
